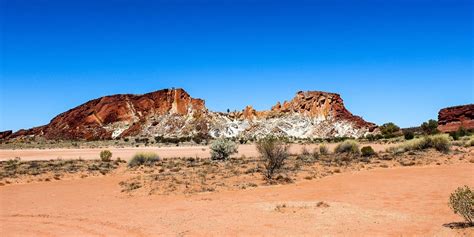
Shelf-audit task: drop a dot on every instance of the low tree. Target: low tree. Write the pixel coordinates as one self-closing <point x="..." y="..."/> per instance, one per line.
<point x="274" y="154"/>
<point x="389" y="130"/>
<point x="430" y="127"/>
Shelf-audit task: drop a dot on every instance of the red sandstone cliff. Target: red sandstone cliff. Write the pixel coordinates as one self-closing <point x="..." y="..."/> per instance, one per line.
<point x="90" y="120"/>
<point x="452" y="118"/>
<point x="316" y="104"/>
<point x="174" y="113"/>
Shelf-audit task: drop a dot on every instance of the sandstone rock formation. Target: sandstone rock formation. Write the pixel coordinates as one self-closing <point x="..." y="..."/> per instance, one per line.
<point x="452" y="118"/>
<point x="308" y="115"/>
<point x="118" y="115"/>
<point x="5" y="134"/>
<point x="173" y="113"/>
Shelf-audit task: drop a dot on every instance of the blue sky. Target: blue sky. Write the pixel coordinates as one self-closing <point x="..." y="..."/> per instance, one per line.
<point x="396" y="60"/>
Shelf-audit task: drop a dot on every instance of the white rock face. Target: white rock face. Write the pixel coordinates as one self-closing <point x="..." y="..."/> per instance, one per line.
<point x="310" y="114"/>
<point x="294" y="125"/>
<point x="222" y="125"/>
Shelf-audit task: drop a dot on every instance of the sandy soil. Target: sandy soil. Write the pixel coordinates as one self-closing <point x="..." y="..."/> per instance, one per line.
<point x="383" y="202"/>
<point x="127" y="153"/>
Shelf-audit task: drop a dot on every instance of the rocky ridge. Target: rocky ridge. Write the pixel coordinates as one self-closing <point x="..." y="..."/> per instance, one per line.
<point x="174" y="113"/>
<point x="452" y="118"/>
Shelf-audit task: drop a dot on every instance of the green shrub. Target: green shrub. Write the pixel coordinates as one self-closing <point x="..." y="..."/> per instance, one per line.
<point x="367" y="151"/>
<point x="222" y="149"/>
<point x="454" y="135"/>
<point x="470" y="143"/>
<point x="408" y="135"/>
<point x="462" y="203"/>
<point x="147" y="159"/>
<point x="461" y="132"/>
<point x="370" y="137"/>
<point x="349" y="147"/>
<point x="430" y="127"/>
<point x="105" y="156"/>
<point x="274" y="154"/>
<point x="389" y="130"/>
<point x="439" y="142"/>
<point x="323" y="149"/>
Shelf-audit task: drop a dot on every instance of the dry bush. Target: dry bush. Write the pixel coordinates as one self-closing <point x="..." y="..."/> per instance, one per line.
<point x="308" y="156"/>
<point x="323" y="149"/>
<point x="147" y="159"/>
<point x="462" y="203"/>
<point x="439" y="142"/>
<point x="469" y="142"/>
<point x="274" y="154"/>
<point x="106" y="156"/>
<point x="349" y="147"/>
<point x="222" y="149"/>
<point x="367" y="151"/>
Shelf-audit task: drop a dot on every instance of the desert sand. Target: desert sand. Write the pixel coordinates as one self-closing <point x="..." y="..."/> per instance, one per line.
<point x="383" y="202"/>
<point x="127" y="153"/>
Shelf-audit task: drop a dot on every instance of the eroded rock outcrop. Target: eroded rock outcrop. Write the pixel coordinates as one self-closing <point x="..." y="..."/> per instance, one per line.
<point x="309" y="114"/>
<point x="452" y="118"/>
<point x="174" y="113"/>
<point x="117" y="115"/>
<point x="321" y="105"/>
<point x="5" y="134"/>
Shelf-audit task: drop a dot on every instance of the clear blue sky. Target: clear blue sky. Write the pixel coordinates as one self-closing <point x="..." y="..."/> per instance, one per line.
<point x="391" y="60"/>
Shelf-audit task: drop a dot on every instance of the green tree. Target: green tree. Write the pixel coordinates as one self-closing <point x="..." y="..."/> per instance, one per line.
<point x="389" y="130"/>
<point x="430" y="127"/>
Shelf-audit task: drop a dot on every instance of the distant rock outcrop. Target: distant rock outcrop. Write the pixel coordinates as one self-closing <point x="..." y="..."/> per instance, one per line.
<point x="5" y="134"/>
<point x="452" y="118"/>
<point x="117" y="115"/>
<point x="174" y="113"/>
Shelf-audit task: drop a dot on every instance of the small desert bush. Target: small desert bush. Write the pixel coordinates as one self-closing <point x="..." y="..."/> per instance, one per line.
<point x="348" y="147"/>
<point x="222" y="149"/>
<point x="106" y="156"/>
<point x="306" y="155"/>
<point x="465" y="141"/>
<point x="274" y="154"/>
<point x="367" y="151"/>
<point x="439" y="142"/>
<point x="323" y="149"/>
<point x="462" y="203"/>
<point x="408" y="135"/>
<point x="470" y="143"/>
<point x="148" y="159"/>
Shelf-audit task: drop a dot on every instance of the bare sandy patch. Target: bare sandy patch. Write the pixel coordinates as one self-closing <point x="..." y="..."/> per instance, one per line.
<point x="384" y="202"/>
<point x="127" y="153"/>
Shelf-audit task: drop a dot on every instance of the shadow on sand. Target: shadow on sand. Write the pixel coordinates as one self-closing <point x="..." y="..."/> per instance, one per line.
<point x="459" y="225"/>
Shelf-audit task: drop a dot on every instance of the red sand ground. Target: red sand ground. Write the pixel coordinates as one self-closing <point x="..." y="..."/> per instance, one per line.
<point x="385" y="202"/>
<point x="127" y="153"/>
